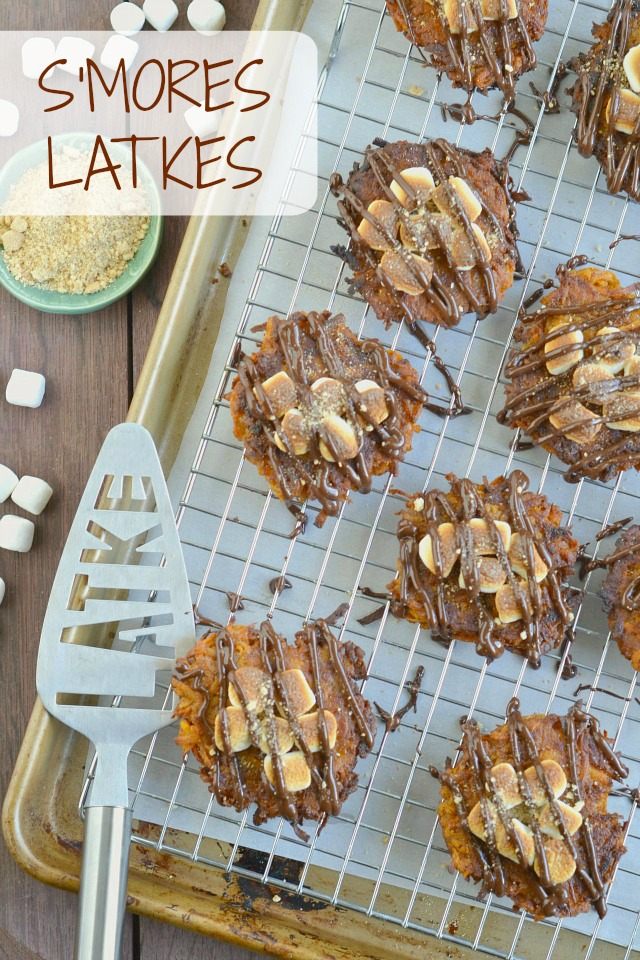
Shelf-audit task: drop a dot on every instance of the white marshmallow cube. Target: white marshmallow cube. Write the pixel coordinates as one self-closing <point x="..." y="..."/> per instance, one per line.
<point x="8" y="482"/>
<point x="9" y="118"/>
<point x="161" y="14"/>
<point x="204" y="123"/>
<point x="117" y="49"/>
<point x="76" y="51"/>
<point x="37" y="53"/>
<point x="2" y="589"/>
<point x="208" y="17"/>
<point x="127" y="19"/>
<point x="16" y="533"/>
<point x="32" y="494"/>
<point x="25" y="388"/>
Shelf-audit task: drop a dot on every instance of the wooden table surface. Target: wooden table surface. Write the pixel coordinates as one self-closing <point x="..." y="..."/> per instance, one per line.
<point x="91" y="366"/>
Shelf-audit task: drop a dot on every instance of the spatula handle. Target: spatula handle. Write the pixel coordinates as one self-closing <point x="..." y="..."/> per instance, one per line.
<point x="103" y="883"/>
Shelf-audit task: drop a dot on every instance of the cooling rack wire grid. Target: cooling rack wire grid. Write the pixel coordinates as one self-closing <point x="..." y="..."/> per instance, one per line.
<point x="236" y="535"/>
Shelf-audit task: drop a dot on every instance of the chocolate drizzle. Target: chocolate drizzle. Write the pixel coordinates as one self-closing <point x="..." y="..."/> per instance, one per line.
<point x="546" y="395"/>
<point x="274" y="661"/>
<point x="393" y="720"/>
<point x="484" y="48"/>
<point x="598" y="89"/>
<point x="312" y="471"/>
<point x="448" y="294"/>
<point x="581" y="732"/>
<point x="627" y="546"/>
<point x="433" y="591"/>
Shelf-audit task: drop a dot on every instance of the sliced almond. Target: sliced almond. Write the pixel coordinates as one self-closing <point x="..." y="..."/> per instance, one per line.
<point x="283" y="734"/>
<point x="570" y="353"/>
<point x="409" y="273"/>
<point x="632" y="367"/>
<point x="574" y="420"/>
<point x="572" y="820"/>
<point x="475" y="819"/>
<point x="631" y="65"/>
<point x="330" y="394"/>
<point x="466" y="253"/>
<point x="507" y="848"/>
<point x="338" y="440"/>
<point x="507" y="604"/>
<point x="590" y="375"/>
<point x="296" y="429"/>
<point x="299" y="696"/>
<point x="255" y="685"/>
<point x="622" y="411"/>
<point x="419" y="179"/>
<point x="555" y="777"/>
<point x="504" y="845"/>
<point x="457" y="10"/>
<point x="518" y="558"/>
<point x="612" y="352"/>
<point x="499" y="9"/>
<point x="425" y="231"/>
<point x="373" y="399"/>
<point x="296" y="773"/>
<point x="486" y="533"/>
<point x="627" y="111"/>
<point x="311" y="731"/>
<point x="237" y="729"/>
<point x="491" y="574"/>
<point x="281" y="393"/>
<point x="446" y="550"/>
<point x="468" y="198"/>
<point x="377" y="234"/>
<point x="505" y="782"/>
<point x="560" y="862"/>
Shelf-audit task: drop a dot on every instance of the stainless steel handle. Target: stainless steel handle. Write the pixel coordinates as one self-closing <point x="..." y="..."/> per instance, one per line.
<point x="103" y="883"/>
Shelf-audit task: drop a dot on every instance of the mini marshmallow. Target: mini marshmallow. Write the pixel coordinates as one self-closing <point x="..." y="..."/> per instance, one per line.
<point x="8" y="482"/>
<point x="127" y="19"/>
<point x="208" y="17"/>
<point x="37" y="53"/>
<point x="203" y="123"/>
<point x="32" y="494"/>
<point x="25" y="389"/>
<point x="9" y="118"/>
<point x="2" y="589"/>
<point x="161" y="14"/>
<point x="76" y="51"/>
<point x="16" y="533"/>
<point x="117" y="49"/>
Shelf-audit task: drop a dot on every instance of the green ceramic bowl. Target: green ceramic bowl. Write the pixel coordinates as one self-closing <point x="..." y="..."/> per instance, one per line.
<point x="76" y="303"/>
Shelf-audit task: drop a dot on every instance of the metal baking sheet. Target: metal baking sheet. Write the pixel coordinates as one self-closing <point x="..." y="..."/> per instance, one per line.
<point x="236" y="535"/>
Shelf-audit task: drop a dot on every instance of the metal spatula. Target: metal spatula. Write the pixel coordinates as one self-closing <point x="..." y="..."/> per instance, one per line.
<point x="101" y="593"/>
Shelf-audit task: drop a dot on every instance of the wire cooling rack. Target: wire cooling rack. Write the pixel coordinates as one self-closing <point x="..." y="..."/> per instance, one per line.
<point x="384" y="855"/>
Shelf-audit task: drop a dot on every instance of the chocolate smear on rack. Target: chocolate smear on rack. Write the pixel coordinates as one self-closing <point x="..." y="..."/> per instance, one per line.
<point x="581" y="843"/>
<point x="372" y="617"/>
<point x="392" y="720"/>
<point x="278" y="584"/>
<point x="235" y="601"/>
<point x="549" y="98"/>
<point x="337" y="614"/>
<point x="612" y="528"/>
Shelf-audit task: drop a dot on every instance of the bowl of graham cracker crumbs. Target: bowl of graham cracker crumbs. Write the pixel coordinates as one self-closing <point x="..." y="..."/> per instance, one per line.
<point x="61" y="253"/>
